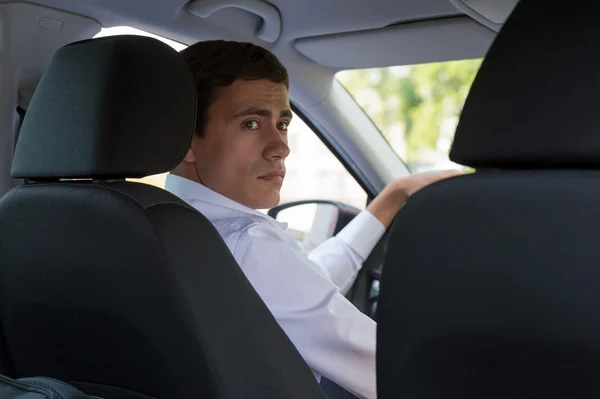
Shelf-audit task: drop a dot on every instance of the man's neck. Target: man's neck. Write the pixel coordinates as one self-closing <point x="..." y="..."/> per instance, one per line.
<point x="187" y="171"/>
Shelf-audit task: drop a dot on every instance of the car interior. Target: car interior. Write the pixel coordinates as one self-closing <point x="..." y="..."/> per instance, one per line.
<point x="482" y="288"/>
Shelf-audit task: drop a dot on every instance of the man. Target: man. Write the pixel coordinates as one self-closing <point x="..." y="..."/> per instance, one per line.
<point x="235" y="165"/>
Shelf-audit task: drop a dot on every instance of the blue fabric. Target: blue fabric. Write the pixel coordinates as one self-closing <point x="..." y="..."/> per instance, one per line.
<point x="39" y="388"/>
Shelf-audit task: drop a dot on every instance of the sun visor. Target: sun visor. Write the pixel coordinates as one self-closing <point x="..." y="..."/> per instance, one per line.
<point x="410" y="43"/>
<point x="491" y="13"/>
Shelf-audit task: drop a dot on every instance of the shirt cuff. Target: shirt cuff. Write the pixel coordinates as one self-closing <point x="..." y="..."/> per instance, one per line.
<point x="362" y="233"/>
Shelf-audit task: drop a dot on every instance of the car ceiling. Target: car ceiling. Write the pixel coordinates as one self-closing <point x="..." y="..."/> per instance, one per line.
<point x="321" y="17"/>
<point x="324" y="31"/>
<point x="317" y="37"/>
<point x="301" y="18"/>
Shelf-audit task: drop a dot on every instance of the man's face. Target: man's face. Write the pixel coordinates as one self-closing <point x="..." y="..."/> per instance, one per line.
<point x="242" y="153"/>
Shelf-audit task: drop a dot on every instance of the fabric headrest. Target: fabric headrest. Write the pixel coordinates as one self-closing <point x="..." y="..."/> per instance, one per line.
<point x="113" y="107"/>
<point x="533" y="103"/>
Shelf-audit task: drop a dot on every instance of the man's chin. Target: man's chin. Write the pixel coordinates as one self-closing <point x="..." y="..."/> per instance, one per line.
<point x="269" y="202"/>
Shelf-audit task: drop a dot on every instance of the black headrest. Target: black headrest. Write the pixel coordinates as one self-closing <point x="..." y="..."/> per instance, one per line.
<point x="114" y="107"/>
<point x="534" y="102"/>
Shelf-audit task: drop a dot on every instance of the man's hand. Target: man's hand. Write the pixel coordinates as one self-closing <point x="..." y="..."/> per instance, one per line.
<point x="387" y="204"/>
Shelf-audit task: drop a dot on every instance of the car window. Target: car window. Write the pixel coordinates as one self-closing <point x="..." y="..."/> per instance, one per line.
<point x="415" y="107"/>
<point x="314" y="172"/>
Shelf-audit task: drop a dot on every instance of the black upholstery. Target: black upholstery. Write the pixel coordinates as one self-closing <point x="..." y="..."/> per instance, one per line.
<point x="113" y="104"/>
<point x="490" y="290"/>
<point x="110" y="283"/>
<point x="534" y="101"/>
<point x="490" y="287"/>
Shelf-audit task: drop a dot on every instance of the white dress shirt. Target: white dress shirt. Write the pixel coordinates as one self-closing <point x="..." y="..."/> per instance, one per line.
<point x="304" y="293"/>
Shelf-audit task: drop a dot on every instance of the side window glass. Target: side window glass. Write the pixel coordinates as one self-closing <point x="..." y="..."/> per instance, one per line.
<point x="314" y="172"/>
<point x="416" y="107"/>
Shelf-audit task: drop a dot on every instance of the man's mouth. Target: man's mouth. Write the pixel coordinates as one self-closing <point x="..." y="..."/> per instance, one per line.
<point x="274" y="176"/>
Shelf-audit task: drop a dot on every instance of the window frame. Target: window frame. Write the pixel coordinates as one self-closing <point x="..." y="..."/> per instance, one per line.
<point x="340" y="156"/>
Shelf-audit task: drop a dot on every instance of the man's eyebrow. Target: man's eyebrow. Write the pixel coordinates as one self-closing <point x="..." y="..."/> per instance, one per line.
<point x="286" y="113"/>
<point x="253" y="111"/>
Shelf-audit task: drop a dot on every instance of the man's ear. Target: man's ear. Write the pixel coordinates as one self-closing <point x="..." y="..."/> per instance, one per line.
<point x="190" y="157"/>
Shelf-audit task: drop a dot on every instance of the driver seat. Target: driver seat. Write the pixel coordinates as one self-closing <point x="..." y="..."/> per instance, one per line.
<point x="116" y="286"/>
<point x="490" y="288"/>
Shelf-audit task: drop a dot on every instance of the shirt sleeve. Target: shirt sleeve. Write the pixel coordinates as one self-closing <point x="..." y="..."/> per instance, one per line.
<point x="334" y="338"/>
<point x="342" y="256"/>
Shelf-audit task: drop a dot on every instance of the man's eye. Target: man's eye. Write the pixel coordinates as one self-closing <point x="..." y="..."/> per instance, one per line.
<point x="283" y="126"/>
<point x="252" y="125"/>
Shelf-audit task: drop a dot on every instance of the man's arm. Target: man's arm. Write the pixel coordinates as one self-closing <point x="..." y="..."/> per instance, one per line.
<point x="393" y="196"/>
<point x="334" y="338"/>
<point x="342" y="256"/>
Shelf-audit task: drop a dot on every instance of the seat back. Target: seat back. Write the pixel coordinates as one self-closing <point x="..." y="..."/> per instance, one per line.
<point x="490" y="285"/>
<point x="119" y="286"/>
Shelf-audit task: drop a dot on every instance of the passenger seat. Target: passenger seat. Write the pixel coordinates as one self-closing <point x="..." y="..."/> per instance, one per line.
<point x="491" y="286"/>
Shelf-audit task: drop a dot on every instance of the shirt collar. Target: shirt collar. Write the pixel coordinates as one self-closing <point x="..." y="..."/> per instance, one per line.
<point x="189" y="190"/>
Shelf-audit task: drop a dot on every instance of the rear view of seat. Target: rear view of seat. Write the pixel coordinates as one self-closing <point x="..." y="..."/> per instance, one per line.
<point x="491" y="286"/>
<point x="106" y="283"/>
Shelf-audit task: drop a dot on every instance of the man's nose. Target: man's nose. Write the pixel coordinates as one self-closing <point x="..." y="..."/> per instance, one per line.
<point x="277" y="147"/>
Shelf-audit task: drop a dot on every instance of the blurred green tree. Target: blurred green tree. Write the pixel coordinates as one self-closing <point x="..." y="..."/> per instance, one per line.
<point x="423" y="102"/>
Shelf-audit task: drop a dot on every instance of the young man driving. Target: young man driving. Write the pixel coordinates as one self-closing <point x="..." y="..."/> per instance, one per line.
<point x="235" y="165"/>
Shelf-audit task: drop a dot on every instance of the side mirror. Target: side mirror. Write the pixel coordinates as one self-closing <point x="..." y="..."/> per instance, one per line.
<point x="313" y="221"/>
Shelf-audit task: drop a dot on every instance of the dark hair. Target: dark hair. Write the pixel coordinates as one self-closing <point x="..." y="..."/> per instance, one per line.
<point x="218" y="63"/>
